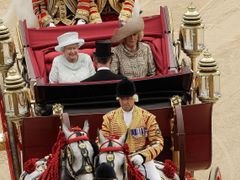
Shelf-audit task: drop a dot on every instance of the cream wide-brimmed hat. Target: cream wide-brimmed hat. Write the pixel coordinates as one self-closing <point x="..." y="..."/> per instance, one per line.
<point x="132" y="26"/>
<point x="68" y="39"/>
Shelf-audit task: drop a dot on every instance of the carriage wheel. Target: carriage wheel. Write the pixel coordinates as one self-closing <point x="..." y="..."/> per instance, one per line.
<point x="215" y="174"/>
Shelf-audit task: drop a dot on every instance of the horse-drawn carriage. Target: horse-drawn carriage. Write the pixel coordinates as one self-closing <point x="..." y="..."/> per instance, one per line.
<point x="32" y="131"/>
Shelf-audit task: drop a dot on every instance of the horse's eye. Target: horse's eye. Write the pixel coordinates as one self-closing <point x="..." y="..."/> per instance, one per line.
<point x="110" y="157"/>
<point x="82" y="146"/>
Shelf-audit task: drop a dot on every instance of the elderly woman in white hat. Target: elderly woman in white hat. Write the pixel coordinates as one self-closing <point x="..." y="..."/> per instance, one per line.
<point x="71" y="66"/>
<point x="132" y="58"/>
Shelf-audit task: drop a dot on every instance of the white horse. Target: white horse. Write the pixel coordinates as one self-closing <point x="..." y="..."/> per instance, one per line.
<point x="112" y="152"/>
<point x="76" y="158"/>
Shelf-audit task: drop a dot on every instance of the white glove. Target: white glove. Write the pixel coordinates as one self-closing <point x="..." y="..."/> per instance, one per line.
<point x="137" y="160"/>
<point x="81" y="21"/>
<point x="51" y="24"/>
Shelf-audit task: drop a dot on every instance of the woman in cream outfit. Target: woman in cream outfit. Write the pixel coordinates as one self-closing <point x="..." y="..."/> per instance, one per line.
<point x="71" y="66"/>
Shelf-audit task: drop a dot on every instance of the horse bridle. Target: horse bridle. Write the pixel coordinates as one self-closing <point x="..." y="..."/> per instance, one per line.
<point x="86" y="166"/>
<point x="110" y="149"/>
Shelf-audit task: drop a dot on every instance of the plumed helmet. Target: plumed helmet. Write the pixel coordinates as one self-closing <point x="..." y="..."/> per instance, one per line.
<point x="125" y="88"/>
<point x="105" y="171"/>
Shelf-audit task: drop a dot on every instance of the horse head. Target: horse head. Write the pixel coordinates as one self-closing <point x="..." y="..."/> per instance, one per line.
<point x="72" y="152"/>
<point x="111" y="151"/>
<point x="78" y="153"/>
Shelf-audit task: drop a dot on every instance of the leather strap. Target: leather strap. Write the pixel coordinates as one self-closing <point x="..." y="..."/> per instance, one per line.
<point x="180" y="140"/>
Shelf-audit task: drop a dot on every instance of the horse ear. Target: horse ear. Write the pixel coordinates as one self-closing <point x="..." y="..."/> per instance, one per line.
<point x="123" y="138"/>
<point x="65" y="130"/>
<point x="101" y="138"/>
<point x="86" y="126"/>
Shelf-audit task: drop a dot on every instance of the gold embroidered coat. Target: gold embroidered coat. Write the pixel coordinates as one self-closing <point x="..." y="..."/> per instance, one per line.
<point x="55" y="11"/>
<point x="122" y="7"/>
<point x="144" y="135"/>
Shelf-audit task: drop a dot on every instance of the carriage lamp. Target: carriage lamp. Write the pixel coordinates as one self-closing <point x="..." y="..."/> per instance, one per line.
<point x="192" y="35"/>
<point x="208" y="79"/>
<point x="15" y="95"/>
<point x="7" y="49"/>
<point x="16" y="98"/>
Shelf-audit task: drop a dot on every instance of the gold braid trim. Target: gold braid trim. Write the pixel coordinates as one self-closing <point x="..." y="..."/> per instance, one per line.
<point x="40" y="10"/>
<point x="125" y="14"/>
<point x="82" y="13"/>
<point x="94" y="14"/>
<point x="46" y="20"/>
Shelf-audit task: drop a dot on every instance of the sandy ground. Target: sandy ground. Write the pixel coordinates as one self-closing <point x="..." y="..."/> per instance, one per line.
<point x="222" y="38"/>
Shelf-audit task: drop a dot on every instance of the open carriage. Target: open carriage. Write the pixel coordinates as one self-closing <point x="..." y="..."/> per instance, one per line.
<point x="186" y="129"/>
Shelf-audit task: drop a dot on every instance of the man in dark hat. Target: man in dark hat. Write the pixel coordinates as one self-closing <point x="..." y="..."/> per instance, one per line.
<point x="103" y="58"/>
<point x="105" y="172"/>
<point x="144" y="136"/>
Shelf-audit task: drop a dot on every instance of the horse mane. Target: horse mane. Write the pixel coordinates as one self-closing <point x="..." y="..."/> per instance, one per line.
<point x="52" y="171"/>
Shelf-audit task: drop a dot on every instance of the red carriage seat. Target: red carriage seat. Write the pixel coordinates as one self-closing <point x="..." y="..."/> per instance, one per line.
<point x="40" y="43"/>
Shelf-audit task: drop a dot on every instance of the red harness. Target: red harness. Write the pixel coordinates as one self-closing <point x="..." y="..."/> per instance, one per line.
<point x="77" y="138"/>
<point x="133" y="172"/>
<point x="111" y="148"/>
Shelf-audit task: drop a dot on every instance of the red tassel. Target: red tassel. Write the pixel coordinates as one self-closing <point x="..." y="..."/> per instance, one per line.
<point x="30" y="165"/>
<point x="52" y="171"/>
<point x="169" y="169"/>
<point x="133" y="172"/>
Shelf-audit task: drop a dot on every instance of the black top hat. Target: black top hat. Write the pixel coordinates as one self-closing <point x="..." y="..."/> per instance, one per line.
<point x="103" y="49"/>
<point x="105" y="171"/>
<point x="125" y="88"/>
